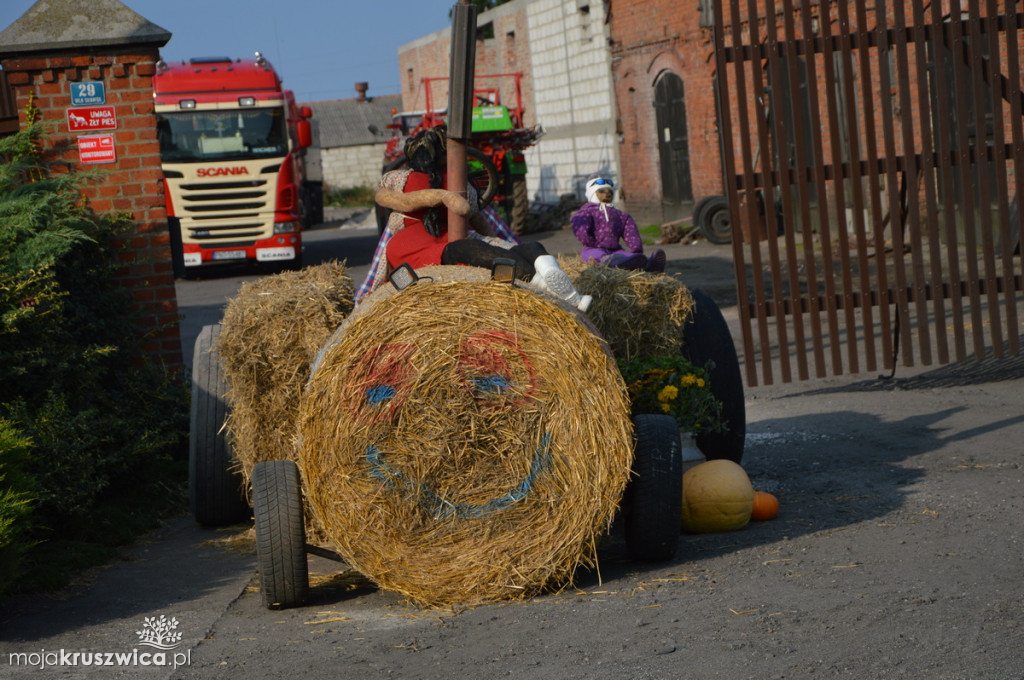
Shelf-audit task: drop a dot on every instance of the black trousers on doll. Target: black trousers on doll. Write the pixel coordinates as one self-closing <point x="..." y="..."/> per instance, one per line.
<point x="477" y="253"/>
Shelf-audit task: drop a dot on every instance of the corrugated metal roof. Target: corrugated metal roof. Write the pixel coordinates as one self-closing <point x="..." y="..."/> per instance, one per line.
<point x="346" y="122"/>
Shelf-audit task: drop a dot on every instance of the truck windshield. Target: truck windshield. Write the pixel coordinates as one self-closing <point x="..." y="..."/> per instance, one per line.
<point x="222" y="135"/>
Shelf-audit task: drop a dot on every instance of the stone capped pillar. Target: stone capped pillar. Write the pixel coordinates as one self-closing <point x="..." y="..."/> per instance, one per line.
<point x="88" y="68"/>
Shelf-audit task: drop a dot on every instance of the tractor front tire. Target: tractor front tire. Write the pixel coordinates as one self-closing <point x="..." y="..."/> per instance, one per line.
<point x="280" y="534"/>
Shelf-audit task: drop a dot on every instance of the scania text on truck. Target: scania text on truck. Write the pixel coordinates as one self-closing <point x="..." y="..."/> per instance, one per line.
<point x="231" y="147"/>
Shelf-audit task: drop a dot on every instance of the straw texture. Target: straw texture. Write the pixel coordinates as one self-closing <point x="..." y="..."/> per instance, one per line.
<point x="270" y="334"/>
<point x="465" y="441"/>
<point x="640" y="314"/>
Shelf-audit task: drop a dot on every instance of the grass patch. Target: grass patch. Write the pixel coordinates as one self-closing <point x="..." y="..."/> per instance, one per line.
<point x="351" y="197"/>
<point x="650" y="234"/>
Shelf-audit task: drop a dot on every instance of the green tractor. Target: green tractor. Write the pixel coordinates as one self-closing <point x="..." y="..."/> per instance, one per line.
<point x="497" y="164"/>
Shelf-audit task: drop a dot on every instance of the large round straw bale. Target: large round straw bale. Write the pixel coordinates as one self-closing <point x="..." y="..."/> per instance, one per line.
<point x="640" y="314"/>
<point x="271" y="332"/>
<point x="465" y="441"/>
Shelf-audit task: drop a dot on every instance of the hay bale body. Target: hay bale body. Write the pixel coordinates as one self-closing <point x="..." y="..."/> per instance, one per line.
<point x="465" y="441"/>
<point x="640" y="314"/>
<point x="271" y="332"/>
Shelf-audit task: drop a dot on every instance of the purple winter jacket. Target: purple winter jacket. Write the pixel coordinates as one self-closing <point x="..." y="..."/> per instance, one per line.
<point x="602" y="227"/>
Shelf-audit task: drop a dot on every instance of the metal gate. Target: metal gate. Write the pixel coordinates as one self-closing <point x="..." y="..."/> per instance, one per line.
<point x="873" y="156"/>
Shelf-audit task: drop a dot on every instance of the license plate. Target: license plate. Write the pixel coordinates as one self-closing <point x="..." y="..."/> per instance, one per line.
<point x="193" y="259"/>
<point x="265" y="254"/>
<point x="229" y="254"/>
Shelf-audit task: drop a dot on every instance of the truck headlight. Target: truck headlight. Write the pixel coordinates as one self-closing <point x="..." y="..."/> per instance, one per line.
<point x="286" y="227"/>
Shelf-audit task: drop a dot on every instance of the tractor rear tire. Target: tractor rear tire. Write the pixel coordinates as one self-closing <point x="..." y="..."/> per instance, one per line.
<point x="654" y="498"/>
<point x="280" y="534"/>
<point x="215" y="489"/>
<point x="706" y="337"/>
<point x="520" y="205"/>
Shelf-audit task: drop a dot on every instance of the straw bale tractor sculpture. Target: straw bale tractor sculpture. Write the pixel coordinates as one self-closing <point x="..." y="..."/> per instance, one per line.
<point x="460" y="440"/>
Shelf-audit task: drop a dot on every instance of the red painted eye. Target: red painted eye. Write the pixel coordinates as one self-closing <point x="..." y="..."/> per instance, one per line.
<point x="495" y="370"/>
<point x="381" y="381"/>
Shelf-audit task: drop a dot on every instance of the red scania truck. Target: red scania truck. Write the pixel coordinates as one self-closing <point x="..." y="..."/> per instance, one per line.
<point x="231" y="147"/>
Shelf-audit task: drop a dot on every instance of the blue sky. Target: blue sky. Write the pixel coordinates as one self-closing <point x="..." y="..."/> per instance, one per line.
<point x="321" y="49"/>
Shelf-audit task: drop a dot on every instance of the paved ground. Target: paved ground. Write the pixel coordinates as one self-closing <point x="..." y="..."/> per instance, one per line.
<point x="897" y="554"/>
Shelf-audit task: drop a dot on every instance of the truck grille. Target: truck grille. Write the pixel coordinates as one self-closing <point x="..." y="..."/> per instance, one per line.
<point x="219" y="211"/>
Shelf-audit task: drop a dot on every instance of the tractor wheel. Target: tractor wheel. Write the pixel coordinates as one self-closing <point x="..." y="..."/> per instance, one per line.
<point x="486" y="179"/>
<point x="654" y="498"/>
<point x="215" y="489"/>
<point x="280" y="534"/>
<point x="706" y="337"/>
<point x="520" y="205"/>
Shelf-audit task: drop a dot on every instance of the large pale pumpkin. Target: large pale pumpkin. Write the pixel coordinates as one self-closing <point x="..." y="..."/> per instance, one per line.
<point x="717" y="496"/>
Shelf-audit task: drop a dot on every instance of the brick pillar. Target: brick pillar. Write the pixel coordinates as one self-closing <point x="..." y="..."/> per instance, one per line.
<point x="133" y="183"/>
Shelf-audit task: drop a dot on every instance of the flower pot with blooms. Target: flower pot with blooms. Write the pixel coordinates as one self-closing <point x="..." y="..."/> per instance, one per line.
<point x="673" y="386"/>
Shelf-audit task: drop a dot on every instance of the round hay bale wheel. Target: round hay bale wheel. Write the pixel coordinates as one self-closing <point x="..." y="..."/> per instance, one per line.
<point x="465" y="441"/>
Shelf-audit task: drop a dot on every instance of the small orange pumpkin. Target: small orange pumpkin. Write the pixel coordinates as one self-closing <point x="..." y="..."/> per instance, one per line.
<point x="766" y="506"/>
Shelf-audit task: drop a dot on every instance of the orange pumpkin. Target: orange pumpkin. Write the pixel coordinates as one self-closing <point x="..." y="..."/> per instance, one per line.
<point x="766" y="506"/>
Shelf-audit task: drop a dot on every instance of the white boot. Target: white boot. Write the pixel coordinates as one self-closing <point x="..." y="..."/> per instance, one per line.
<point x="551" y="278"/>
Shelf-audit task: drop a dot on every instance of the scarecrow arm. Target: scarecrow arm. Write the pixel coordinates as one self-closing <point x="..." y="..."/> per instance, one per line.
<point x="425" y="198"/>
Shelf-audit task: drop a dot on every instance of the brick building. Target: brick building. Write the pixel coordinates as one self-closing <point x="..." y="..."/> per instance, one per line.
<point x="561" y="48"/>
<point x="662" y="60"/>
<point x="65" y="53"/>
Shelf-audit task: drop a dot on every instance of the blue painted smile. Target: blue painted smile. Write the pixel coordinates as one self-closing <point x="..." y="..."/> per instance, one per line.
<point x="439" y="508"/>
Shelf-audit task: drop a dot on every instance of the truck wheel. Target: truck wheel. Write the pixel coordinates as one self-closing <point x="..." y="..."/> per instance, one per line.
<point x="520" y="205"/>
<point x="654" y="498"/>
<point x="214" y="487"/>
<point x="715" y="222"/>
<point x="706" y="337"/>
<point x="280" y="534"/>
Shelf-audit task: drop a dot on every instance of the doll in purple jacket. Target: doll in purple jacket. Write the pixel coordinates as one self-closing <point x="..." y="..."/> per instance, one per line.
<point x="601" y="228"/>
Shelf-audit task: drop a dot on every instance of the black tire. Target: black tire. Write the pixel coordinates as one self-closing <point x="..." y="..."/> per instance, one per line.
<point x="280" y="534"/>
<point x="520" y="205"/>
<point x="654" y="498"/>
<point x="698" y="209"/>
<point x="706" y="337"/>
<point x="486" y="180"/>
<point x="215" y="489"/>
<point x="715" y="221"/>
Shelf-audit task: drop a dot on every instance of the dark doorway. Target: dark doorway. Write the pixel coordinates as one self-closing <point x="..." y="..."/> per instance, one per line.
<point x="673" y="146"/>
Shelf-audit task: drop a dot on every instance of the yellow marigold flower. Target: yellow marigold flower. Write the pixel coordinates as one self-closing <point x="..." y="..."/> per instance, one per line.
<point x="700" y="382"/>
<point x="688" y="380"/>
<point x="668" y="393"/>
<point x="665" y="408"/>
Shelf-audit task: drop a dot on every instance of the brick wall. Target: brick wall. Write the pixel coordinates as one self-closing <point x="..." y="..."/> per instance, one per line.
<point x="648" y="40"/>
<point x="133" y="184"/>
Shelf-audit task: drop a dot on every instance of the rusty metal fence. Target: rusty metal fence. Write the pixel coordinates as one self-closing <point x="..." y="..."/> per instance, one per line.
<point x="873" y="157"/>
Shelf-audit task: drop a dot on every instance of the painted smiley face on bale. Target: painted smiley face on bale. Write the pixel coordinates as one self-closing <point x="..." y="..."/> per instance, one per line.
<point x="465" y="442"/>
